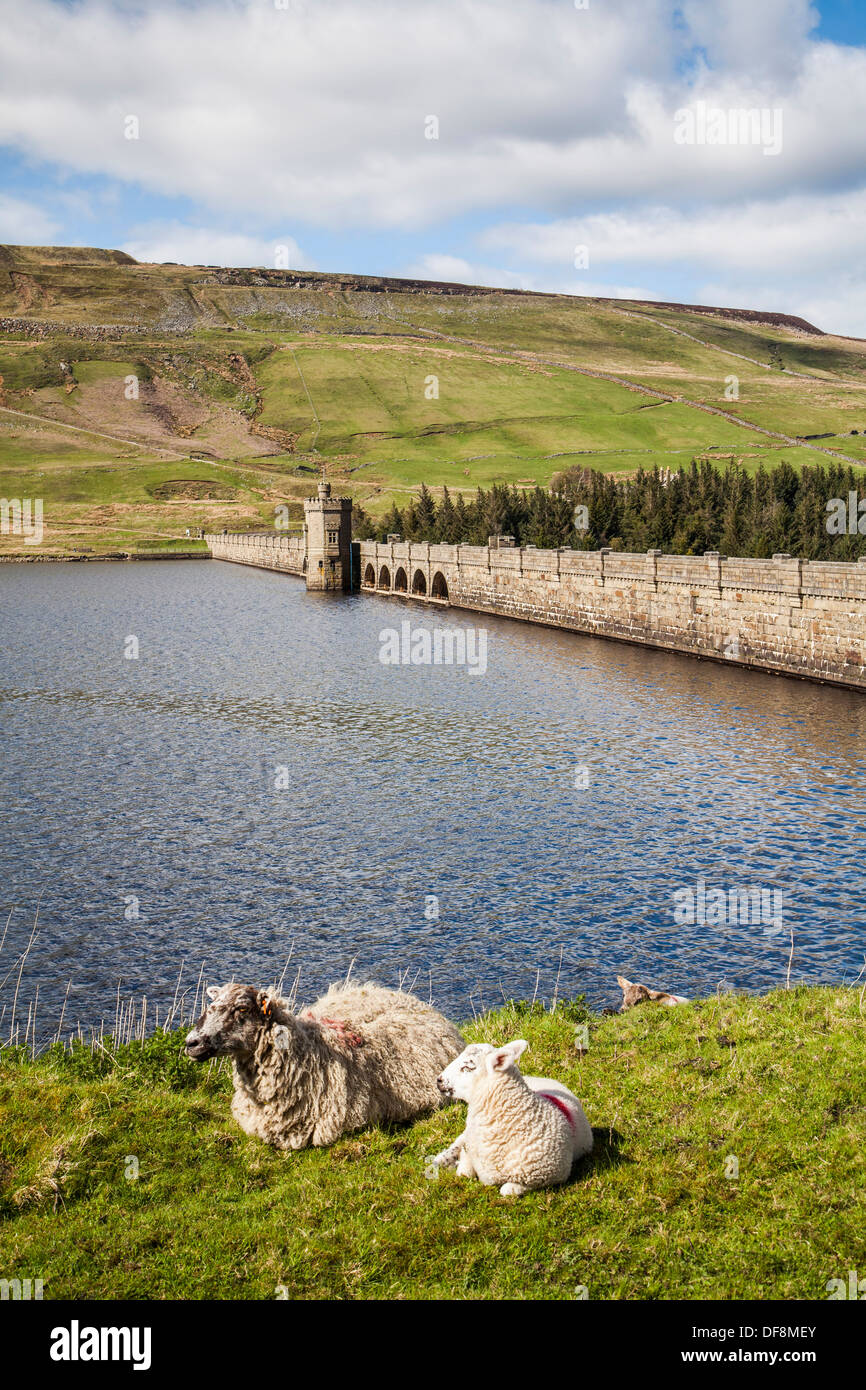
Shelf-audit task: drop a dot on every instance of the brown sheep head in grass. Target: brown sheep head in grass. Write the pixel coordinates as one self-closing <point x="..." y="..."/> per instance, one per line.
<point x="633" y="994"/>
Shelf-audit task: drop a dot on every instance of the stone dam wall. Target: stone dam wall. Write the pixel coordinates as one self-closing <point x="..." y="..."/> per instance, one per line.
<point x="793" y="617"/>
<point x="265" y="549"/>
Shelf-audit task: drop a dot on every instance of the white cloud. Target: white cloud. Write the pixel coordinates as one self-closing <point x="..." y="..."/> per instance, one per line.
<point x="24" y="224"/>
<point x="314" y="116"/>
<point x="436" y="266"/>
<point x="317" y="112"/>
<point x="799" y="255"/>
<point x="765" y="36"/>
<point x="205" y="246"/>
<point x="800" y="232"/>
<point x="836" y="305"/>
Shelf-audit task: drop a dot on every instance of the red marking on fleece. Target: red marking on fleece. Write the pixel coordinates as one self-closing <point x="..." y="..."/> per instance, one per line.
<point x="560" y="1105"/>
<point x="339" y="1026"/>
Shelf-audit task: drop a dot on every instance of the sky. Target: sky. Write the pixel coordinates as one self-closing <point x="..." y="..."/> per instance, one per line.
<point x="578" y="146"/>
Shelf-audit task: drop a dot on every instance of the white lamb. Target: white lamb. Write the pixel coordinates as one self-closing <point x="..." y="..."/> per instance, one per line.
<point x="522" y="1132"/>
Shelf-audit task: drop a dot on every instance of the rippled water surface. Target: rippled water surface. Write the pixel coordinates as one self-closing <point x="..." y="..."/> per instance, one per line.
<point x="154" y="779"/>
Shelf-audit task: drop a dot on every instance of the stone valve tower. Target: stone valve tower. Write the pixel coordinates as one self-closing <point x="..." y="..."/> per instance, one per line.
<point x="328" y="541"/>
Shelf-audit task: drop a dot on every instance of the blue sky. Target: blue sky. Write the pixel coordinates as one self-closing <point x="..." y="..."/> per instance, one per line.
<point x="842" y="21"/>
<point x="586" y="149"/>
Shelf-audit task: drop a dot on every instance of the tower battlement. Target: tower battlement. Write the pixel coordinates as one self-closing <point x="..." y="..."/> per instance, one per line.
<point x="328" y="540"/>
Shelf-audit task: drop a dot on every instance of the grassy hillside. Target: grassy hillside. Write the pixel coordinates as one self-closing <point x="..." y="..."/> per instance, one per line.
<point x="675" y="1095"/>
<point x="246" y="380"/>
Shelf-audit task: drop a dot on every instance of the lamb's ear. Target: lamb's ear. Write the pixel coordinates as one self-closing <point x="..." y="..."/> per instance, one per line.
<point x="504" y="1057"/>
<point x="623" y="983"/>
<point x="213" y="991"/>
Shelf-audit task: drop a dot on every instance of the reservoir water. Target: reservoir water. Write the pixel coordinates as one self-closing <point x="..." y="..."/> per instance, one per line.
<point x="256" y="785"/>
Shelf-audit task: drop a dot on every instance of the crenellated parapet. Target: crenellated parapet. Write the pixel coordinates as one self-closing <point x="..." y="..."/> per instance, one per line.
<point x="789" y="616"/>
<point x="271" y="550"/>
<point x="328" y="532"/>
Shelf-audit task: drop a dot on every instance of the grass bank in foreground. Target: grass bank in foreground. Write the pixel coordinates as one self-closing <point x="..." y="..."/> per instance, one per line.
<point x="771" y="1088"/>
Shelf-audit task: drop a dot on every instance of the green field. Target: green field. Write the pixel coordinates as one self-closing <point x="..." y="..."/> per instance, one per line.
<point x="728" y="1164"/>
<point x="246" y="382"/>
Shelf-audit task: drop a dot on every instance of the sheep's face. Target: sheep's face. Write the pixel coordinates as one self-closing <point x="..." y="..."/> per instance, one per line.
<point x="460" y="1078"/>
<point x="631" y="994"/>
<point x="231" y="1024"/>
<point x="639" y="994"/>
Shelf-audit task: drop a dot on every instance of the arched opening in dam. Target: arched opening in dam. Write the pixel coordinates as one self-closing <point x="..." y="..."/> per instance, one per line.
<point x="401" y="581"/>
<point x="419" y="583"/>
<point x="369" y="577"/>
<point x="385" y="578"/>
<point x="439" y="587"/>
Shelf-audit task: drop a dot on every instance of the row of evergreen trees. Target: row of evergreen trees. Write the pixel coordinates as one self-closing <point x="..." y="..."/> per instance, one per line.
<point x="700" y="507"/>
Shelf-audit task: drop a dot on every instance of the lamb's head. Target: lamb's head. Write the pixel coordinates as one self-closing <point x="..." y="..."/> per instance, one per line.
<point x="232" y="1023"/>
<point x="631" y="994"/>
<point x="478" y="1060"/>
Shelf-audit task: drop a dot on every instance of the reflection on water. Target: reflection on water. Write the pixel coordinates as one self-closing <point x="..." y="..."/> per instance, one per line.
<point x="155" y="779"/>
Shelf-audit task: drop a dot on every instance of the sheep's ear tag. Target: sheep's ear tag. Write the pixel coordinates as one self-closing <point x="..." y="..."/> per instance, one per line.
<point x="265" y="1005"/>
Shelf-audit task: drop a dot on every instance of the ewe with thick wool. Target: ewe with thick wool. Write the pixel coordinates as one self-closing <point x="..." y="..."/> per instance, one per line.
<point x="361" y="1055"/>
<point x="522" y="1132"/>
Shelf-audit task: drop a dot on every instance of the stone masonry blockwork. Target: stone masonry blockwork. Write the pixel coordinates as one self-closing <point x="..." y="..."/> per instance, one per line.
<point x="794" y="617"/>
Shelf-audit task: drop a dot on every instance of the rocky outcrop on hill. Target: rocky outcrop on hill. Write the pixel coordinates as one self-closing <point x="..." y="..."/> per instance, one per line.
<point x="366" y="284"/>
<point x="98" y="332"/>
<point x="374" y="284"/>
<point x="175" y="298"/>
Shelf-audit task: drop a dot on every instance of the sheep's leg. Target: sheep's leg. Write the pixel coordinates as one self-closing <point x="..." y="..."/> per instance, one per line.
<point x="512" y="1189"/>
<point x="449" y="1157"/>
<point x="465" y="1166"/>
